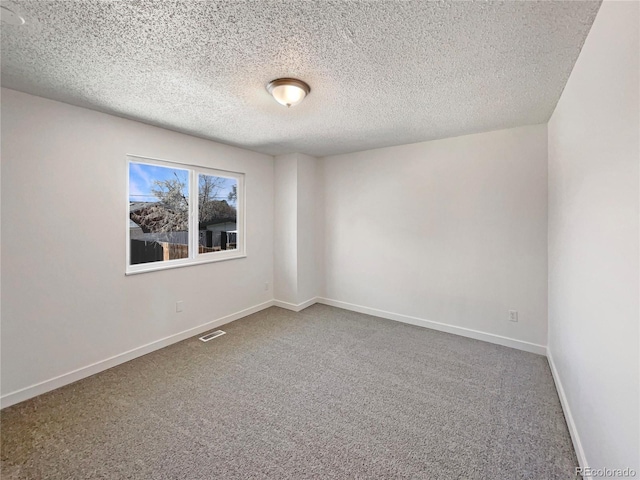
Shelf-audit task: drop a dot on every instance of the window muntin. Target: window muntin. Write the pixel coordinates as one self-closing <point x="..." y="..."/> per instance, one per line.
<point x="181" y="215"/>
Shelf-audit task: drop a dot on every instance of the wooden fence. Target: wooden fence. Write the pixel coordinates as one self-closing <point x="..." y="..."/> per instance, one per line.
<point x="145" y="252"/>
<point x="172" y="251"/>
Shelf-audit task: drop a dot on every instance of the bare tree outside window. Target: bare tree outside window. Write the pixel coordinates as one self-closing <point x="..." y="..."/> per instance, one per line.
<point x="217" y="214"/>
<point x="160" y="208"/>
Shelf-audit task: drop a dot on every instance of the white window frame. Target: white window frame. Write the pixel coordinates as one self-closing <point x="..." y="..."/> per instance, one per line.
<point x="194" y="257"/>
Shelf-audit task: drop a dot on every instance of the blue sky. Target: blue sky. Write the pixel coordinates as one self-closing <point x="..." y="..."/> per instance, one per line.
<point x="142" y="176"/>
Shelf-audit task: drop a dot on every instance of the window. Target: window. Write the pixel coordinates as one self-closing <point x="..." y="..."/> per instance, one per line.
<point x="182" y="215"/>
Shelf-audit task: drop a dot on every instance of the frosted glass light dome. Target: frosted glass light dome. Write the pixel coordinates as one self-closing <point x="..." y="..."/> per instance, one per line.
<point x="288" y="91"/>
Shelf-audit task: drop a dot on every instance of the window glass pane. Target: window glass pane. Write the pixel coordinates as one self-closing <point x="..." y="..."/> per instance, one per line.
<point x="158" y="213"/>
<point x="179" y="215"/>
<point x="217" y="213"/>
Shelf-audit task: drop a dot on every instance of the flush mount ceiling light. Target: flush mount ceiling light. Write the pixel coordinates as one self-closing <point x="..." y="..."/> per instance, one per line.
<point x="288" y="91"/>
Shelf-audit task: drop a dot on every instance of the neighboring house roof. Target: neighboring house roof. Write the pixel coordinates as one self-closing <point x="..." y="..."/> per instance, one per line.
<point x="181" y="238"/>
<point x="220" y="221"/>
<point x="221" y="213"/>
<point x="135" y="206"/>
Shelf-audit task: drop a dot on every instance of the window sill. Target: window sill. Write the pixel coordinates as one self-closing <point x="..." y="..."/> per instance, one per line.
<point x="168" y="265"/>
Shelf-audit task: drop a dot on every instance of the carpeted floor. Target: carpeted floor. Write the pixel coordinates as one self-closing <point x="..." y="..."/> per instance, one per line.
<point x="324" y="393"/>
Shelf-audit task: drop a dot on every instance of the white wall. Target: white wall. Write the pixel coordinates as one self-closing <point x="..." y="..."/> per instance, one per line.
<point x="285" y="251"/>
<point x="594" y="240"/>
<point x="469" y="235"/>
<point x="309" y="240"/>
<point x="66" y="302"/>
<point x="297" y="230"/>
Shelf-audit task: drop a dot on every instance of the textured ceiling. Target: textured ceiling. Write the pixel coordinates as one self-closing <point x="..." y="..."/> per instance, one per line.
<point x="381" y="72"/>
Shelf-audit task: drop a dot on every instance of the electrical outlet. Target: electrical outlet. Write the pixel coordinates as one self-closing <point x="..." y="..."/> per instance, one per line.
<point x="179" y="306"/>
<point x="513" y="315"/>
<point x="266" y="287"/>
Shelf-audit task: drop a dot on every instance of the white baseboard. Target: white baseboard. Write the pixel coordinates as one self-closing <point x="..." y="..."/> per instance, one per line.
<point x="295" y="307"/>
<point x="442" y="327"/>
<point x="83" y="372"/>
<point x="573" y="431"/>
<point x="75" y="375"/>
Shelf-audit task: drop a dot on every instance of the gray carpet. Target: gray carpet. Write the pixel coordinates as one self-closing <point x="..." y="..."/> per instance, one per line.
<point x="323" y="393"/>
